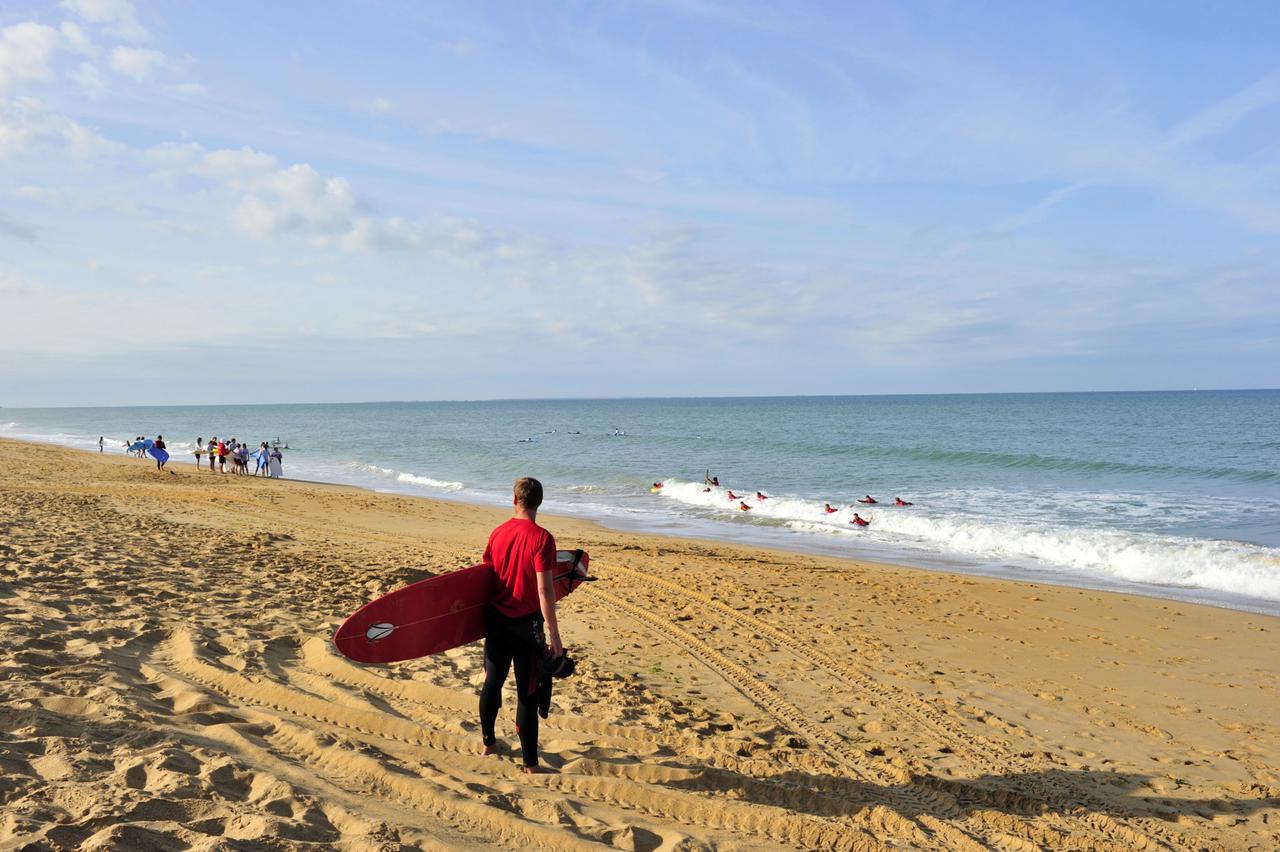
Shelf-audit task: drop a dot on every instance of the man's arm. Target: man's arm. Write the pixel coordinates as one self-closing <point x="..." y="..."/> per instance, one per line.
<point x="547" y="600"/>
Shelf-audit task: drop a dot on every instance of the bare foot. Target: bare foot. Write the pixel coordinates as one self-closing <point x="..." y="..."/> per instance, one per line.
<point x="492" y="748"/>
<point x="538" y="770"/>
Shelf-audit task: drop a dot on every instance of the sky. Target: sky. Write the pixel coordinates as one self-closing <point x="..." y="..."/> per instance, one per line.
<point x="238" y="202"/>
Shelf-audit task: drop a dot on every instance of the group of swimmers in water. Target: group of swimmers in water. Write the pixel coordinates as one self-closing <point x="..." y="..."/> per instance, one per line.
<point x="857" y="520"/>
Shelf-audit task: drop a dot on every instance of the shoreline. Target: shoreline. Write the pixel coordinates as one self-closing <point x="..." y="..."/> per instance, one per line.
<point x="168" y="679"/>
<point x="772" y="540"/>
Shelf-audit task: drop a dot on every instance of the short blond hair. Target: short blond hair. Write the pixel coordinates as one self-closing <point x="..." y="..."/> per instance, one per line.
<point x="528" y="492"/>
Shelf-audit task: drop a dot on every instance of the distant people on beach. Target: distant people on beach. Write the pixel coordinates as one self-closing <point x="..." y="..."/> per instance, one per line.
<point x="269" y="459"/>
<point x="162" y="454"/>
<point x="102" y="442"/>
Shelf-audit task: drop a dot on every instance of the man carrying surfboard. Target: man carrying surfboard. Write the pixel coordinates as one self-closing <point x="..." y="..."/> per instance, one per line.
<point x="523" y="556"/>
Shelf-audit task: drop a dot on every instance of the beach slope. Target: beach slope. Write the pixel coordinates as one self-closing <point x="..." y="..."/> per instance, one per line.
<point x="167" y="681"/>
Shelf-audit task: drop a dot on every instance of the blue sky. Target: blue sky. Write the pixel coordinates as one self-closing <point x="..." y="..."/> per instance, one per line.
<point x="245" y="202"/>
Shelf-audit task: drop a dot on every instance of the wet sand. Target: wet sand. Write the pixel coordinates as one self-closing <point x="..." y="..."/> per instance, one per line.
<point x="166" y="681"/>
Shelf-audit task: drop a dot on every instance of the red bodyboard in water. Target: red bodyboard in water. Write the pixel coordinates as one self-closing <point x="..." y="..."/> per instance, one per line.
<point x="436" y="614"/>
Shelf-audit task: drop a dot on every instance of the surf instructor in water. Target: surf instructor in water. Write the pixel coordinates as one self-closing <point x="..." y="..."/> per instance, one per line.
<point x="523" y="556"/>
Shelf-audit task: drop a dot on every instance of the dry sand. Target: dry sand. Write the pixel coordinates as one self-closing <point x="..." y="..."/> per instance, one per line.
<point x="167" y="681"/>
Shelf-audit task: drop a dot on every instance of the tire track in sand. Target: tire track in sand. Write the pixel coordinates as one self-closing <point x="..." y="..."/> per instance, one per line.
<point x="724" y="772"/>
<point x="589" y="779"/>
<point x="931" y="796"/>
<point x="921" y="802"/>
<point x="981" y="750"/>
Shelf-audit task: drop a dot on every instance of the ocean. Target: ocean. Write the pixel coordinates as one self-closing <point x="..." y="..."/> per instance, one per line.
<point x="1174" y="494"/>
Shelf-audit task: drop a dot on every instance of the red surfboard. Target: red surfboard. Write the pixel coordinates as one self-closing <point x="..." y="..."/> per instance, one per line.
<point x="436" y="614"/>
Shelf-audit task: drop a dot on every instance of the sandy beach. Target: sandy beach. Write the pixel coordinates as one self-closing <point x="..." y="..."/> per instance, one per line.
<point x="167" y="682"/>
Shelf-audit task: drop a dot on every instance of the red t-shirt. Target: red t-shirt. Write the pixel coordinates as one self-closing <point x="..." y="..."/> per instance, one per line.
<point x="519" y="550"/>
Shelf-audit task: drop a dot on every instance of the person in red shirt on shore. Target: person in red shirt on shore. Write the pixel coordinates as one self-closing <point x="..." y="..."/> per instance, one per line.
<point x="523" y="556"/>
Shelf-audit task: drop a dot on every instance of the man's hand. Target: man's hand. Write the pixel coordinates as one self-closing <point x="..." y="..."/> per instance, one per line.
<point x="547" y="600"/>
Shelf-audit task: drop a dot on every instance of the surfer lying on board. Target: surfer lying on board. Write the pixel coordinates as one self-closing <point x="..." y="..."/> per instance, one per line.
<point x="523" y="556"/>
<point x="898" y="501"/>
<point x="860" y="521"/>
<point x="869" y="500"/>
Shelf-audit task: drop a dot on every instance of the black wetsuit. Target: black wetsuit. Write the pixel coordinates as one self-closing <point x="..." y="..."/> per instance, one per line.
<point x="512" y="640"/>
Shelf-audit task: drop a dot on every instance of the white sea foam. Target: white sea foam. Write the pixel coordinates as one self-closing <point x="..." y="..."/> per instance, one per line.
<point x="428" y="481"/>
<point x="1224" y="566"/>
<point x="5" y="427"/>
<point x="410" y="478"/>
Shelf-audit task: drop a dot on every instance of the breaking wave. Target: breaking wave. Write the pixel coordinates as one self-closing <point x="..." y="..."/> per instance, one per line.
<point x="1158" y="560"/>
<point x="411" y="478"/>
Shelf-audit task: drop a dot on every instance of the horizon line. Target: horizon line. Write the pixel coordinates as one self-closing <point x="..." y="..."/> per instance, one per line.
<point x="639" y="398"/>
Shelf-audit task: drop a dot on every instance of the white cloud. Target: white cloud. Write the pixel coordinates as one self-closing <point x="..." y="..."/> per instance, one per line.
<point x="13" y="285"/>
<point x="169" y="160"/>
<point x="25" y="122"/>
<point x="457" y="239"/>
<point x="25" y="52"/>
<point x="236" y="164"/>
<point x="89" y="79"/>
<point x="62" y="199"/>
<point x="139" y="63"/>
<point x="78" y="39"/>
<point x="174" y="227"/>
<point x="191" y="89"/>
<point x="119" y="16"/>
<point x="298" y="200"/>
<point x="380" y="106"/>
<point x="1228" y="112"/>
<point x="238" y="168"/>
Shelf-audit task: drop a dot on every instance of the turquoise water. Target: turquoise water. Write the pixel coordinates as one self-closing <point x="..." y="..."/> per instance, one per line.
<point x="1174" y="493"/>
